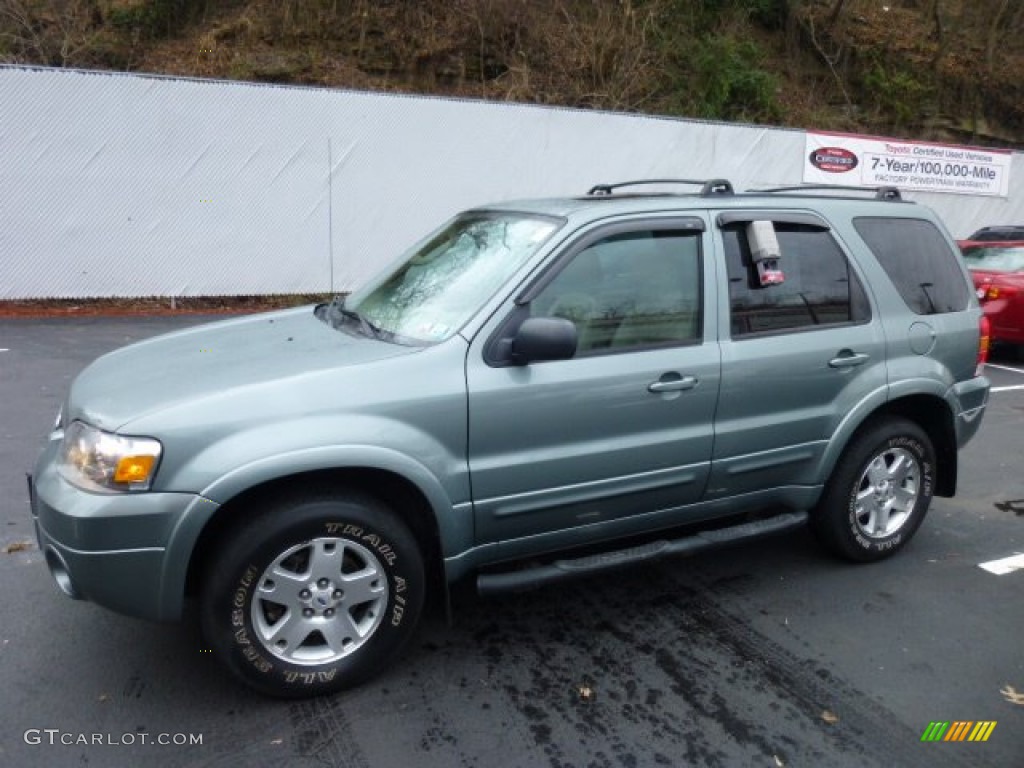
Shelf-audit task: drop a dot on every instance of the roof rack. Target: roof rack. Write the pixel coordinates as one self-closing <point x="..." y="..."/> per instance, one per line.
<point x="708" y="187"/>
<point x="881" y="193"/>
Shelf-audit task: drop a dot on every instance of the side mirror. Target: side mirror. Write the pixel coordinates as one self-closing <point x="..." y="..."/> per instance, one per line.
<point x="544" y="338"/>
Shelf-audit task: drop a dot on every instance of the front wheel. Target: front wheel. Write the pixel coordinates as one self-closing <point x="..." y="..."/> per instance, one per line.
<point x="314" y="595"/>
<point x="879" y="492"/>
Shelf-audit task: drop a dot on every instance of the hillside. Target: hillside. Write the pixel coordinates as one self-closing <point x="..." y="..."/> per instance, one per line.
<point x="946" y="70"/>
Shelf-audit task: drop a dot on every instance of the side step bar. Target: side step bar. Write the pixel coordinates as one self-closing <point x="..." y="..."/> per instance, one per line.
<point x="530" y="578"/>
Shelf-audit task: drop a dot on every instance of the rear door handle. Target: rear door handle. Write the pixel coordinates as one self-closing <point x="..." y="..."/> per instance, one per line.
<point x="848" y="359"/>
<point x="673" y="385"/>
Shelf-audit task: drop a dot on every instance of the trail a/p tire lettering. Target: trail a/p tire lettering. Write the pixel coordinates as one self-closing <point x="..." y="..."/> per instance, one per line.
<point x="249" y="576"/>
<point x="879" y="491"/>
<point x="309" y="678"/>
<point x="344" y="529"/>
<point x="313" y="596"/>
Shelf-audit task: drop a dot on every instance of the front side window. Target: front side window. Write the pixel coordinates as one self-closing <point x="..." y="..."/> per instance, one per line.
<point x="630" y="290"/>
<point x="819" y="287"/>
<point x="449" y="277"/>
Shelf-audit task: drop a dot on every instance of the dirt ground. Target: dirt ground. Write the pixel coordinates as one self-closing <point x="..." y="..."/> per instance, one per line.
<point x="206" y="305"/>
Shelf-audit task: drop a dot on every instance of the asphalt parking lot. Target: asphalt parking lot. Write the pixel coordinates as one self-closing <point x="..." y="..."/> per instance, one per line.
<point x="769" y="654"/>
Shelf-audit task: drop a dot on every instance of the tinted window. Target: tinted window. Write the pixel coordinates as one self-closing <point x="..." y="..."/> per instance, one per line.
<point x="919" y="261"/>
<point x="995" y="258"/>
<point x="819" y="288"/>
<point x="630" y="290"/>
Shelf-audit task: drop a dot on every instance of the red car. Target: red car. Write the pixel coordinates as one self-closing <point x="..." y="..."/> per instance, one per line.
<point x="998" y="272"/>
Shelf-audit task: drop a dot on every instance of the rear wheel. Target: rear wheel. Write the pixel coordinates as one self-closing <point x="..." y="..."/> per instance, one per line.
<point x="879" y="493"/>
<point x="314" y="595"/>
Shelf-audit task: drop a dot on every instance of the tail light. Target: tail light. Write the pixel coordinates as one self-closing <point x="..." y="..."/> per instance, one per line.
<point x="993" y="292"/>
<point x="984" y="342"/>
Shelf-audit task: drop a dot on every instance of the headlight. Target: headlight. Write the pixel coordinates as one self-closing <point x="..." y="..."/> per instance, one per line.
<point x="97" y="460"/>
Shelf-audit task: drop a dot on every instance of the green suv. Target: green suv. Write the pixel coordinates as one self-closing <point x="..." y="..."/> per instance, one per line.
<point x="533" y="383"/>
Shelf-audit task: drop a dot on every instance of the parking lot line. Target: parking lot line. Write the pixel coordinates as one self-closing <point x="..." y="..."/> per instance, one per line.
<point x="1004" y="389"/>
<point x="1004" y="565"/>
<point x="1004" y="368"/>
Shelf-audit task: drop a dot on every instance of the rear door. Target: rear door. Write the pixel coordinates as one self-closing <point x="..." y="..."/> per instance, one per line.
<point x="797" y="357"/>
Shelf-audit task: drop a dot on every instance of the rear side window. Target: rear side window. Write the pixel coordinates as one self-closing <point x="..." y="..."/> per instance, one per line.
<point x="820" y="289"/>
<point x="919" y="261"/>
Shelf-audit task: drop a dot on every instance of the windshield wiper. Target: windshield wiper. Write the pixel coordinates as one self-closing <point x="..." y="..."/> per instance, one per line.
<point x="336" y="311"/>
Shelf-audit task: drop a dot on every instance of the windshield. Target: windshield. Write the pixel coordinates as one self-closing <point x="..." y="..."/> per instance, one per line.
<point x="996" y="258"/>
<point x="449" y="276"/>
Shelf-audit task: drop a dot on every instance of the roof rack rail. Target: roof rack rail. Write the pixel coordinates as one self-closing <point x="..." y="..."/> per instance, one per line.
<point x="708" y="187"/>
<point x="881" y="193"/>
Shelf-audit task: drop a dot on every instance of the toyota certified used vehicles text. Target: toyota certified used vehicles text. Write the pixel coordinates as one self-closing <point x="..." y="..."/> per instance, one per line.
<point x="540" y="389"/>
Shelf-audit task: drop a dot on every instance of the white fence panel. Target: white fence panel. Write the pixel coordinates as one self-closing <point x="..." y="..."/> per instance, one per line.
<point x="116" y="185"/>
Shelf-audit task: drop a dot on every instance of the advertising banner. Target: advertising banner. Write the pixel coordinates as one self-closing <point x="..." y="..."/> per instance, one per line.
<point x="845" y="159"/>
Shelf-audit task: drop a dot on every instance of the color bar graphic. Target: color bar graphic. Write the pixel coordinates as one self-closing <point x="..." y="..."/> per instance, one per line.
<point x="982" y="731"/>
<point x="958" y="730"/>
<point x="935" y="731"/>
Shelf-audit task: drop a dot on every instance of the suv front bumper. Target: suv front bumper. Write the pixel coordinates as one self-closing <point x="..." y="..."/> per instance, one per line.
<point x="111" y="548"/>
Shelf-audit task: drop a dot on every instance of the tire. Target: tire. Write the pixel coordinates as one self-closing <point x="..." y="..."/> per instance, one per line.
<point x="879" y="492"/>
<point x="311" y="596"/>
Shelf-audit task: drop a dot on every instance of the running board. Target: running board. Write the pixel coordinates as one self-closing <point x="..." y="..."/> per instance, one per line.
<point x="530" y="578"/>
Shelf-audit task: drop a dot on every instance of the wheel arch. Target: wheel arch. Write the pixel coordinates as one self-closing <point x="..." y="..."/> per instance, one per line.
<point x="401" y="495"/>
<point x="932" y="414"/>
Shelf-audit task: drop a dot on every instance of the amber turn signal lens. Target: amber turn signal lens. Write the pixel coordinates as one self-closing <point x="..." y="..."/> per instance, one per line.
<point x="984" y="343"/>
<point x="133" y="469"/>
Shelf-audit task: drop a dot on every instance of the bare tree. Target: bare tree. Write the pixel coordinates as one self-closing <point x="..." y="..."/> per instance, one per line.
<point x="993" y="32"/>
<point x="55" y="32"/>
<point x="837" y="10"/>
<point x="936" y="13"/>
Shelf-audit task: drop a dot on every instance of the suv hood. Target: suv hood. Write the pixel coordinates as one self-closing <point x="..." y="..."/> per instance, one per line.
<point x="211" y="359"/>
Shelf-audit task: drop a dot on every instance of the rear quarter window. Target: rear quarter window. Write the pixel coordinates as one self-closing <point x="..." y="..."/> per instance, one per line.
<point x="921" y="264"/>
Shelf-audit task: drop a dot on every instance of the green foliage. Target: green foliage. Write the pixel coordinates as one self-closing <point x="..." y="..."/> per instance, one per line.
<point x="899" y="67"/>
<point x="771" y="14"/>
<point x="710" y="66"/>
<point x="729" y="83"/>
<point x="709" y="14"/>
<point x="768" y="13"/>
<point x="899" y="94"/>
<point x="154" y="19"/>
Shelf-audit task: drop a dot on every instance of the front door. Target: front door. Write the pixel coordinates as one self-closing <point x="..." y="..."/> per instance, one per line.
<point x="603" y="442"/>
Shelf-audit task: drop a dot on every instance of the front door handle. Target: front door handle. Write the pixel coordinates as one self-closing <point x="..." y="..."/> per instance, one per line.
<point x="848" y="359"/>
<point x="672" y="385"/>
